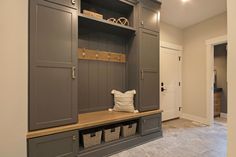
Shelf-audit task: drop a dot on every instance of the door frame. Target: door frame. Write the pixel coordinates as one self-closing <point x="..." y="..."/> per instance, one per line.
<point x="179" y="48"/>
<point x="210" y="43"/>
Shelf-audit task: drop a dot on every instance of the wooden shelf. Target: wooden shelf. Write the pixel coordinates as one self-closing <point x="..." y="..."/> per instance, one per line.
<point x="92" y="119"/>
<point x="106" y="26"/>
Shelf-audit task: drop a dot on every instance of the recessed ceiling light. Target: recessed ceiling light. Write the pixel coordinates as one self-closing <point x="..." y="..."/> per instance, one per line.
<point x="185" y="1"/>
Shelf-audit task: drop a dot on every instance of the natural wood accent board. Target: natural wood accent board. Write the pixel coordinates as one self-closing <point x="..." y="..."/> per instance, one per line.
<point x="101" y="55"/>
<point x="92" y="14"/>
<point x="92" y="119"/>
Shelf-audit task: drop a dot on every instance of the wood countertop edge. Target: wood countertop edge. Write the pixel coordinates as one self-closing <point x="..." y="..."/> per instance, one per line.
<point x="50" y="131"/>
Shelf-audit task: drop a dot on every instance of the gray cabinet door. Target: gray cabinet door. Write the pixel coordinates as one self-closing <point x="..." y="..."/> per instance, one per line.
<point x="58" y="145"/>
<point x="150" y="124"/>
<point x="149" y="15"/>
<point x="149" y="69"/>
<point x="53" y="63"/>
<point x="68" y="3"/>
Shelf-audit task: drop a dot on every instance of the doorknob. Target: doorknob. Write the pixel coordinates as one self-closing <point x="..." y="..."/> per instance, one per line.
<point x="163" y="89"/>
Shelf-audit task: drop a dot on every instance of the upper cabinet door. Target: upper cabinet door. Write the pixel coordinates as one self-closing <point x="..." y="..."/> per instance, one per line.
<point x="149" y="69"/>
<point x="149" y="50"/>
<point x="68" y="3"/>
<point x="149" y="15"/>
<point x="53" y="63"/>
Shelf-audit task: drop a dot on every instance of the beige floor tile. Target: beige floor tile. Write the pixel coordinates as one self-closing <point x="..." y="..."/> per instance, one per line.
<point x="183" y="138"/>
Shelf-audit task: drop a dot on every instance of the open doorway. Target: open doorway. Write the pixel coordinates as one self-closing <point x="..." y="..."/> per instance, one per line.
<point x="210" y="75"/>
<point x="220" y="81"/>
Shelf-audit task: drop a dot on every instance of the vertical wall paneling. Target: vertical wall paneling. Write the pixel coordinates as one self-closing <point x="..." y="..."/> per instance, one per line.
<point x="98" y="78"/>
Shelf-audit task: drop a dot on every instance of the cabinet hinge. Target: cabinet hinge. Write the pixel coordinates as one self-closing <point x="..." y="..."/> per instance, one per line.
<point x="179" y="58"/>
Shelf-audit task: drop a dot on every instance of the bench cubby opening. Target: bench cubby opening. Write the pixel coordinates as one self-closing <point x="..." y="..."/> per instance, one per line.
<point x="92" y="131"/>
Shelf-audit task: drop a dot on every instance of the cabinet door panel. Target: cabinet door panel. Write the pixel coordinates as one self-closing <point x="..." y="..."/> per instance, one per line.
<point x="149" y="15"/>
<point x="149" y="91"/>
<point x="149" y="50"/>
<point x="149" y="66"/>
<point x="51" y="107"/>
<point x="58" y="145"/>
<point x="68" y="3"/>
<point x="53" y="47"/>
<point x="150" y="124"/>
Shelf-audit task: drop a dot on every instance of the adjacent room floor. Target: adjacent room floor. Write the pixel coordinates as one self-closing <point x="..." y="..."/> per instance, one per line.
<point x="184" y="138"/>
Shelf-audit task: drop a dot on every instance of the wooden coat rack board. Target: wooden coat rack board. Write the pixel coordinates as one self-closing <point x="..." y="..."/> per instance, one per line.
<point x="87" y="54"/>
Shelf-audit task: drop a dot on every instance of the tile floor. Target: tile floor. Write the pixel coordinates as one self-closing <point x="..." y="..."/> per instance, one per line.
<point x="183" y="138"/>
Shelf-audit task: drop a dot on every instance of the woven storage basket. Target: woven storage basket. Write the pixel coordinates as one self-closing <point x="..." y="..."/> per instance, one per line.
<point x="129" y="130"/>
<point x="92" y="139"/>
<point x="111" y="134"/>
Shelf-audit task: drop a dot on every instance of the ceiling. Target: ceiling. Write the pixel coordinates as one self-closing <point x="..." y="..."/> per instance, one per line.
<point x="184" y="14"/>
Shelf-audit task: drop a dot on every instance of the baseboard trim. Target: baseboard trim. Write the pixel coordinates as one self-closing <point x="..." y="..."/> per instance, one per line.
<point x="195" y="118"/>
<point x="223" y="115"/>
<point x="170" y="119"/>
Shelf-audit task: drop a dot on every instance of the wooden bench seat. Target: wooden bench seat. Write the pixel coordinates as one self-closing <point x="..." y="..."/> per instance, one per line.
<point x="92" y="119"/>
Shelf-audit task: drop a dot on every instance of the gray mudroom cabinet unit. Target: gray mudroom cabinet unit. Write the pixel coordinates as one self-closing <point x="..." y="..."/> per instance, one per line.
<point x="52" y="65"/>
<point x="80" y="50"/>
<point x="143" y="58"/>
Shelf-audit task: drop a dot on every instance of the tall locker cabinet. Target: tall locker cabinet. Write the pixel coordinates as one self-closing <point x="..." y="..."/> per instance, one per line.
<point x="53" y="63"/>
<point x="143" y="65"/>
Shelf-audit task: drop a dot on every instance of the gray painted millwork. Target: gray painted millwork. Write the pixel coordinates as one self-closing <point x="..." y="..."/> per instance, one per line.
<point x="56" y="94"/>
<point x="118" y="146"/>
<point x="53" y="47"/>
<point x="97" y="79"/>
<point x="58" y="145"/>
<point x="68" y="3"/>
<point x="67" y="144"/>
<point x="149" y="66"/>
<point x="150" y="124"/>
<point x="148" y="15"/>
<point x="140" y="73"/>
<point x="143" y="57"/>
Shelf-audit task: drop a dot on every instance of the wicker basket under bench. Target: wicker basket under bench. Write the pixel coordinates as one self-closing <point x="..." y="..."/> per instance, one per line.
<point x="129" y="129"/>
<point x="91" y="138"/>
<point x="111" y="133"/>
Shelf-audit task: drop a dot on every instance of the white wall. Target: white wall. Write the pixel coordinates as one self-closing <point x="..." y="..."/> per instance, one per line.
<point x="13" y="77"/>
<point x="231" y="78"/>
<point x="194" y="63"/>
<point x="171" y="34"/>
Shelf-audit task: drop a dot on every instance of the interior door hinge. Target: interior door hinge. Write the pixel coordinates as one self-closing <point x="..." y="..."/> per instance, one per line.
<point x="179" y="58"/>
<point x="180" y="108"/>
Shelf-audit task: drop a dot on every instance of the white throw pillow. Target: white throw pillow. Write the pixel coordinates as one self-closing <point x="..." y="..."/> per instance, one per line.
<point x="124" y="102"/>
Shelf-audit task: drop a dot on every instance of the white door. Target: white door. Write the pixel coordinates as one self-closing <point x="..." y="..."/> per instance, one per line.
<point x="170" y="84"/>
